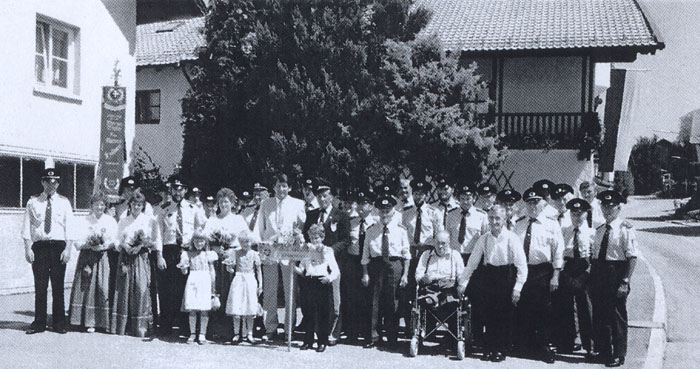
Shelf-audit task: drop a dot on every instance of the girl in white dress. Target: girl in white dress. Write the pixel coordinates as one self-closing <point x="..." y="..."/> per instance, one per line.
<point x="197" y="300"/>
<point x="246" y="287"/>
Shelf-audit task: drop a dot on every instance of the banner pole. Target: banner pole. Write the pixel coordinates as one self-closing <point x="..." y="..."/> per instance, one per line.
<point x="290" y="305"/>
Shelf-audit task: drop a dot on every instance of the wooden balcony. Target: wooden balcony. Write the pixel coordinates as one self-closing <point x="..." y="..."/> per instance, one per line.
<point x="542" y="130"/>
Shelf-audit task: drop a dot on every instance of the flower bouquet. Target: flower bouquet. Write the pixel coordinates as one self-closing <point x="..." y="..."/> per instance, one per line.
<point x="95" y="241"/>
<point x="218" y="238"/>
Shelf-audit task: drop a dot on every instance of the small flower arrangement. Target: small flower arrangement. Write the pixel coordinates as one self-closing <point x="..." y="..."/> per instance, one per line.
<point x="96" y="240"/>
<point x="218" y="238"/>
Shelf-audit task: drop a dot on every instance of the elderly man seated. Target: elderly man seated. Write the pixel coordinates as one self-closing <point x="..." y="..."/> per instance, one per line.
<point x="437" y="274"/>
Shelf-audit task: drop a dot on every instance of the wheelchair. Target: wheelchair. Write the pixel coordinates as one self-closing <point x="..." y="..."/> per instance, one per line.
<point x="425" y="306"/>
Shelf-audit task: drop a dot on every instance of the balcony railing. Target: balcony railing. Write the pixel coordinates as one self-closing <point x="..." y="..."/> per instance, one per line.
<point x="542" y="130"/>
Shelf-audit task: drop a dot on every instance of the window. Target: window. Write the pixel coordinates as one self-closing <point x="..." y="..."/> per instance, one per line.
<point x="84" y="181"/>
<point x="148" y="107"/>
<point x="9" y="181"/>
<point x="55" y="57"/>
<point x="31" y="179"/>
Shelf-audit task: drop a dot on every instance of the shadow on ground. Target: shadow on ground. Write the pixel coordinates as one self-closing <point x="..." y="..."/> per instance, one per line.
<point x="14" y="325"/>
<point x="675" y="230"/>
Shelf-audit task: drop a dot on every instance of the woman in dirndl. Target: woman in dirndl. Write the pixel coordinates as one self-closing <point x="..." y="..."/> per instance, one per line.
<point x="89" y="301"/>
<point x="221" y="231"/>
<point x="138" y="234"/>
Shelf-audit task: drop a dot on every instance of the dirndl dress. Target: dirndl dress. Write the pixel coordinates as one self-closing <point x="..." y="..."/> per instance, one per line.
<point x="243" y="295"/>
<point x="89" y="300"/>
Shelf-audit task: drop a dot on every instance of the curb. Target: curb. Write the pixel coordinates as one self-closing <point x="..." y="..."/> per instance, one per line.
<point x="657" y="339"/>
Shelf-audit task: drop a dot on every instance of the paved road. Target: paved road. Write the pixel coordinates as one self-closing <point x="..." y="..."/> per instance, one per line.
<point x="674" y="250"/>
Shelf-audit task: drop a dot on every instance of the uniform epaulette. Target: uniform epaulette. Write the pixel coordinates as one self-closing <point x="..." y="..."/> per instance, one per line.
<point x="601" y="226"/>
<point x="626" y="224"/>
<point x="521" y="218"/>
<point x="453" y="209"/>
<point x="165" y="205"/>
<point x="481" y="210"/>
<point x="406" y="207"/>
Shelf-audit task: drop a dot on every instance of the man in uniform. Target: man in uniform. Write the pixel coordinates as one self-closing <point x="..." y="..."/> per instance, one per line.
<point x="385" y="260"/>
<point x="209" y="205"/>
<point x="573" y="283"/>
<point x="509" y="200"/>
<point x="336" y="225"/>
<point x="281" y="220"/>
<point x="48" y="232"/>
<point x="543" y="245"/>
<point x="487" y="196"/>
<point x="127" y="187"/>
<point x="357" y="300"/>
<point x="465" y="226"/>
<point x="422" y="222"/>
<point x="405" y="195"/>
<point x="546" y="188"/>
<point x="195" y="197"/>
<point x="446" y="203"/>
<point x="595" y="217"/>
<point x="178" y="221"/>
<point x="561" y="195"/>
<point x="614" y="256"/>
<point x="307" y="190"/>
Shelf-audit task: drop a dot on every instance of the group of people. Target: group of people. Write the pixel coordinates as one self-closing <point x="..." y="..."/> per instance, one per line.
<point x="528" y="263"/>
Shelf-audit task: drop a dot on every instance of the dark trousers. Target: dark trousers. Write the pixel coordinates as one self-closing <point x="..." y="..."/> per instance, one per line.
<point x="609" y="310"/>
<point x="384" y="277"/>
<point x="318" y="299"/>
<point x="476" y="292"/>
<point x="47" y="266"/>
<point x="408" y="293"/>
<point x="533" y="313"/>
<point x="153" y="260"/>
<point x="171" y="287"/>
<point x="573" y="292"/>
<point x="498" y="306"/>
<point x="356" y="298"/>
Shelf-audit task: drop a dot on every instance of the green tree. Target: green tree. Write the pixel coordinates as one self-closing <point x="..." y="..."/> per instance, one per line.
<point x="342" y="90"/>
<point x="645" y="167"/>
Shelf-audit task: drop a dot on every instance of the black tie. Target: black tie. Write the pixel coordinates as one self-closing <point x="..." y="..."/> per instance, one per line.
<point x="577" y="243"/>
<point x="253" y="220"/>
<point x="528" y="239"/>
<point x="604" y="243"/>
<point x="47" y="218"/>
<point x="444" y="216"/>
<point x="462" y="228"/>
<point x="361" y="236"/>
<point x="589" y="218"/>
<point x="416" y="234"/>
<point x="561" y="216"/>
<point x="321" y="215"/>
<point x="385" y="243"/>
<point x="180" y="225"/>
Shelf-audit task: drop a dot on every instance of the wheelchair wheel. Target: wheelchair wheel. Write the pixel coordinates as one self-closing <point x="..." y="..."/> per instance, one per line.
<point x="413" y="349"/>
<point x="460" y="350"/>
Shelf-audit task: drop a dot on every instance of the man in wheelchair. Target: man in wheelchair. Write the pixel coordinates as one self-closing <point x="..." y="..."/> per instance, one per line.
<point x="437" y="275"/>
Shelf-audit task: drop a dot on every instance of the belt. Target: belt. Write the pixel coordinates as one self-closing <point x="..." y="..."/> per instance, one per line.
<point x="390" y="258"/>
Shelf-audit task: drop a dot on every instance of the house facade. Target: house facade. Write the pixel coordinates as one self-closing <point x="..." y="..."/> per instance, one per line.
<point x="540" y="59"/>
<point x="51" y="105"/>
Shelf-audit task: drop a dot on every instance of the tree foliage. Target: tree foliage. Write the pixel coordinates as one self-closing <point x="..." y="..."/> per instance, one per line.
<point x="343" y="90"/>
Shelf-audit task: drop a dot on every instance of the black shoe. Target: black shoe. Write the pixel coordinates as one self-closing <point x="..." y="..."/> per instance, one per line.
<point x="548" y="356"/>
<point x="488" y="356"/>
<point x="60" y="329"/>
<point x="33" y="329"/>
<point x="592" y="357"/>
<point x="306" y="346"/>
<point x="370" y="344"/>
<point x="332" y="343"/>
<point x="321" y="348"/>
<point x="615" y="362"/>
<point x="498" y="357"/>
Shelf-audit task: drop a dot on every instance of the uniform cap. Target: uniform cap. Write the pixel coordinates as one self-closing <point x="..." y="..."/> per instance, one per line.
<point x="210" y="199"/>
<point x="533" y="193"/>
<point x="546" y="185"/>
<point x="130" y="181"/>
<point x="50" y="174"/>
<point x="196" y="190"/>
<point x="365" y="195"/>
<point x="383" y="189"/>
<point x="309" y="182"/>
<point x="384" y="202"/>
<point x="508" y="196"/>
<point x="465" y="189"/>
<point x="246" y="196"/>
<point x="421" y="185"/>
<point x="611" y="197"/>
<point x="321" y="186"/>
<point x="176" y="181"/>
<point x="443" y="182"/>
<point x="486" y="189"/>
<point x="561" y="190"/>
<point x="578" y="205"/>
<point x="258" y="187"/>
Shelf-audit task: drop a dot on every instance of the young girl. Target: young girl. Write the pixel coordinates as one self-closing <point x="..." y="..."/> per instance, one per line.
<point x="246" y="287"/>
<point x="197" y="300"/>
<point x="89" y="303"/>
<point x="318" y="271"/>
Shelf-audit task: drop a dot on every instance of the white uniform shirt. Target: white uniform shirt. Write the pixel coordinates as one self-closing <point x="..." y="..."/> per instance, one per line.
<point x="248" y="214"/>
<point x="546" y="241"/>
<point x="398" y="241"/>
<point x="598" y="218"/>
<point x="129" y="226"/>
<point x="506" y="249"/>
<point x="447" y="267"/>
<point x="586" y="236"/>
<point x="193" y="219"/>
<point x="622" y="241"/>
<point x="446" y="209"/>
<point x="431" y="223"/>
<point x="354" y="247"/>
<point x="63" y="227"/>
<point x="476" y="225"/>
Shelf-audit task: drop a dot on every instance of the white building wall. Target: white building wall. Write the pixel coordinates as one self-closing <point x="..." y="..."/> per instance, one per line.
<point x="62" y="127"/>
<point x="559" y="166"/>
<point x="163" y="141"/>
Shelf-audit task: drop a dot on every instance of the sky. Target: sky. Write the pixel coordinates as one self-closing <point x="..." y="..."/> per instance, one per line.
<point x="671" y="78"/>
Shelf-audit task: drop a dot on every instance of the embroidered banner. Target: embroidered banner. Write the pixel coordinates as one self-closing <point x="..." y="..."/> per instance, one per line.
<point x="112" y="154"/>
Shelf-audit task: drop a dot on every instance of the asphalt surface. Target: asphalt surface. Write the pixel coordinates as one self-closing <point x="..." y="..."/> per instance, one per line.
<point x="673" y="249"/>
<point x="666" y="245"/>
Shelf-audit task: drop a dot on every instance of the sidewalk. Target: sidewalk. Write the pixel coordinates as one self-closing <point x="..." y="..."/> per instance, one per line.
<point x="82" y="350"/>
